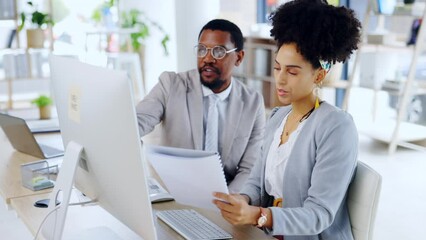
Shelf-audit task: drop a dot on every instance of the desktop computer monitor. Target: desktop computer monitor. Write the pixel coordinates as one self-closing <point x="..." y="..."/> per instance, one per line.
<point x="99" y="129"/>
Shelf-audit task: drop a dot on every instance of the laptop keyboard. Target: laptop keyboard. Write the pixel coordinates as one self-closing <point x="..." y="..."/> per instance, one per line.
<point x="40" y="126"/>
<point x="192" y="225"/>
<point x="50" y="151"/>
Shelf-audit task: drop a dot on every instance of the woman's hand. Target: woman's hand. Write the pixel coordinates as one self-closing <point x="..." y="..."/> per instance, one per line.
<point x="235" y="209"/>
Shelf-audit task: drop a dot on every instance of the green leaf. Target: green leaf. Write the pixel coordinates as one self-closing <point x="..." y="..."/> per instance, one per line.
<point x="38" y="18"/>
<point x="42" y="101"/>
<point x="164" y="44"/>
<point x="97" y="15"/>
<point x="21" y="26"/>
<point x="137" y="19"/>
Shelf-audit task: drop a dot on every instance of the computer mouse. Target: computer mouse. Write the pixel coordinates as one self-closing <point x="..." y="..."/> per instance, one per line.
<point x="44" y="203"/>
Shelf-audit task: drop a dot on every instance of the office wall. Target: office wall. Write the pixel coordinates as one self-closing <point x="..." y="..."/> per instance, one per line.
<point x="191" y="15"/>
<point x="241" y="12"/>
<point x="182" y="19"/>
<point x="161" y="12"/>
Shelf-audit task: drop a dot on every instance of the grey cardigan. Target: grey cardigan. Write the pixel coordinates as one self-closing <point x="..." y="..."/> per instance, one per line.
<point x="318" y="173"/>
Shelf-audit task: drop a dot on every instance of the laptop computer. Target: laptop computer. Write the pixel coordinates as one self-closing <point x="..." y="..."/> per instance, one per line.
<point x="23" y="140"/>
<point x="43" y="126"/>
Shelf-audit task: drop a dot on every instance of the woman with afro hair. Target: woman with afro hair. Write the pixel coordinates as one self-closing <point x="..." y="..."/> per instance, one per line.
<point x="299" y="186"/>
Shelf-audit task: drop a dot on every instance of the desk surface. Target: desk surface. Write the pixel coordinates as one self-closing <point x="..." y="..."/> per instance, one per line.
<point x="10" y="163"/>
<point x="84" y="217"/>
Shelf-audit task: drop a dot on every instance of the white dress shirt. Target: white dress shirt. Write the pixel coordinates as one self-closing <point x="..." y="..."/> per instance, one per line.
<point x="222" y="106"/>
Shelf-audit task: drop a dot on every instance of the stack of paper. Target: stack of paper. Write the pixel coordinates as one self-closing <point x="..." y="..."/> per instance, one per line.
<point x="191" y="176"/>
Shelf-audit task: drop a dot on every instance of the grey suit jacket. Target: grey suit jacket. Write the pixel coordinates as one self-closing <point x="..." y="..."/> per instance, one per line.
<point x="318" y="173"/>
<point x="177" y="102"/>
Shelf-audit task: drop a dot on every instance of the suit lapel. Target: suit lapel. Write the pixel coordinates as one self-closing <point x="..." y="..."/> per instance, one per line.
<point x="194" y="101"/>
<point x="235" y="108"/>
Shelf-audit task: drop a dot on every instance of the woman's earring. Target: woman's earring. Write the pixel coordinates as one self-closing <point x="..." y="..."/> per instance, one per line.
<point x="317" y="89"/>
<point x="317" y="93"/>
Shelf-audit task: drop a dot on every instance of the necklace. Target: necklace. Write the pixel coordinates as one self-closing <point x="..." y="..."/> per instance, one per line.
<point x="303" y="118"/>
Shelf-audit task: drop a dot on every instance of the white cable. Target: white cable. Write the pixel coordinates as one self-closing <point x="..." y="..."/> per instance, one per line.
<point x="81" y="203"/>
<point x="54" y="210"/>
<point x="44" y="220"/>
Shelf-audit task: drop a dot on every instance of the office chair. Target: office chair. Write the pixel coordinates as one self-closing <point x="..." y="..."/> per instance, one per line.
<point x="363" y="198"/>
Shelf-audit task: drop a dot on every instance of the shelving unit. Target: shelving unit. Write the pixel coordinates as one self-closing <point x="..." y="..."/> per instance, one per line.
<point x="120" y="59"/>
<point x="10" y="14"/>
<point x="395" y="132"/>
<point x="22" y="64"/>
<point x="257" y="68"/>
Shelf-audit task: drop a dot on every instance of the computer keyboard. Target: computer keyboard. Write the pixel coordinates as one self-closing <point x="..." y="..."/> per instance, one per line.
<point x="192" y="225"/>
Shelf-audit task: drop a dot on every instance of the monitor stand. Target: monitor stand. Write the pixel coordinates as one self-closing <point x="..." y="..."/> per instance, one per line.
<point x="56" y="215"/>
<point x="101" y="232"/>
<point x="54" y="222"/>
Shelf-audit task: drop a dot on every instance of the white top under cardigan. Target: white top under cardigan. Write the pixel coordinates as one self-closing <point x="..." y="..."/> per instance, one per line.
<point x="276" y="161"/>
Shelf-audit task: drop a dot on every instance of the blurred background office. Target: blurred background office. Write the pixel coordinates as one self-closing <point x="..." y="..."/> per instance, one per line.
<point x="383" y="85"/>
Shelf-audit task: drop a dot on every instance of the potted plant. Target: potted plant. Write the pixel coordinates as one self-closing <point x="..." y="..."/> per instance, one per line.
<point x="106" y="12"/>
<point x="137" y="19"/>
<point x="134" y="19"/>
<point x="40" y="21"/>
<point x="44" y="105"/>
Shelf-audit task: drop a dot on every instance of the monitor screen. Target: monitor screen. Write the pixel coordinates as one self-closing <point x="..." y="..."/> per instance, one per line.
<point x="96" y="110"/>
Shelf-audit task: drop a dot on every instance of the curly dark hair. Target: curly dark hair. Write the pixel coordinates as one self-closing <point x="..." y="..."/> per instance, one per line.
<point x="319" y="30"/>
<point x="226" y="26"/>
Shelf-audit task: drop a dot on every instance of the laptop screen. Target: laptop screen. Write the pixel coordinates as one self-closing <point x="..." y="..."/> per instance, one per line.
<point x="20" y="136"/>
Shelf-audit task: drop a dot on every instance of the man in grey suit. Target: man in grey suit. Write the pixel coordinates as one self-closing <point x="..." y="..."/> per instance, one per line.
<point x="181" y="102"/>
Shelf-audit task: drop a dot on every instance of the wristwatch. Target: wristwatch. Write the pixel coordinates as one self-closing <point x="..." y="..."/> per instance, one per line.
<point x="262" y="219"/>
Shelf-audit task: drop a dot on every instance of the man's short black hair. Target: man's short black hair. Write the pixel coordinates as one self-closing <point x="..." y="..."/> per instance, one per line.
<point x="226" y="26"/>
<point x="319" y="30"/>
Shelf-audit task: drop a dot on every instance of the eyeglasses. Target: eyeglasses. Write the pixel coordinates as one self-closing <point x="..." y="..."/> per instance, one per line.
<point x="217" y="52"/>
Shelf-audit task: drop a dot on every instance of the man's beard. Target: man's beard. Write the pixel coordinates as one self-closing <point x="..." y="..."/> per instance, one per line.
<point x="215" y="84"/>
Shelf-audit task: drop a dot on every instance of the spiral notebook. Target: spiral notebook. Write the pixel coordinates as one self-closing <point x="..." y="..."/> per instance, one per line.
<point x="191" y="176"/>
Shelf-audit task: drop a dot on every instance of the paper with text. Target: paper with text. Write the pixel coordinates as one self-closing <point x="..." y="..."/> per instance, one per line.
<point x="191" y="176"/>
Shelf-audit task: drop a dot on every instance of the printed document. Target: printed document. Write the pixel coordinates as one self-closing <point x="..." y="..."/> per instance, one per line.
<point x="191" y="176"/>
